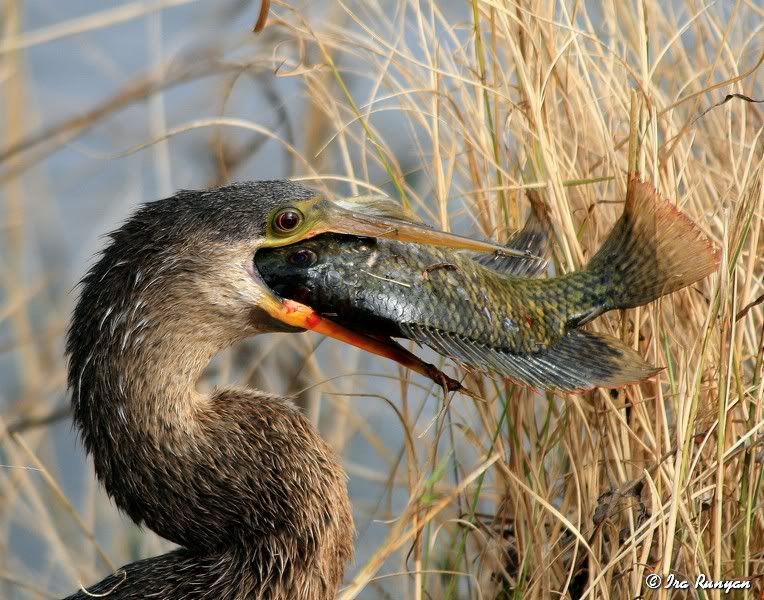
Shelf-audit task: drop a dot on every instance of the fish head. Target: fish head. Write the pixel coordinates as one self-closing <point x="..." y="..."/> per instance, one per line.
<point x="300" y="271"/>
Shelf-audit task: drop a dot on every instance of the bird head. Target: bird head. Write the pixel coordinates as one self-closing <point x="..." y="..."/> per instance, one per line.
<point x="194" y="253"/>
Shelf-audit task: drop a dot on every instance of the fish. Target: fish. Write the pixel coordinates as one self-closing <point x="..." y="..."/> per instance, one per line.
<point x="494" y="313"/>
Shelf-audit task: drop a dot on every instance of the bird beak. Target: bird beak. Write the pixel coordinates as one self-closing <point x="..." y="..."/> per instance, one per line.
<point x="303" y="317"/>
<point x="348" y="219"/>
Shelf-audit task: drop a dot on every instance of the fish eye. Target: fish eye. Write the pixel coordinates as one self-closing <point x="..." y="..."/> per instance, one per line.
<point x="302" y="258"/>
<point x="287" y="220"/>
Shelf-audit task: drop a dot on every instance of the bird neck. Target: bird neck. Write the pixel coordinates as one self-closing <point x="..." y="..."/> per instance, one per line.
<point x="235" y="469"/>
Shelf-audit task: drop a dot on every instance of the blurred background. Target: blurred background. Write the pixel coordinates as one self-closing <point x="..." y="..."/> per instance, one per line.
<point x="458" y="109"/>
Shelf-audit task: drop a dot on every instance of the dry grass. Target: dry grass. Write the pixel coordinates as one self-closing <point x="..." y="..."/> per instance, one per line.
<point x="456" y="108"/>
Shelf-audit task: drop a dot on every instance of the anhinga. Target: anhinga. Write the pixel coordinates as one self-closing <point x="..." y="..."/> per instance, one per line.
<point x="239" y="479"/>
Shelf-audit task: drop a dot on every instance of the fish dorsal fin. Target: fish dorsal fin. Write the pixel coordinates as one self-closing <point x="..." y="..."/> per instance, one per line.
<point x="533" y="239"/>
<point x="579" y="361"/>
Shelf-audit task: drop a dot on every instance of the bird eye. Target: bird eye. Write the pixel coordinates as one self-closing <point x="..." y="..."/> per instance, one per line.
<point x="287" y="220"/>
<point x="302" y="258"/>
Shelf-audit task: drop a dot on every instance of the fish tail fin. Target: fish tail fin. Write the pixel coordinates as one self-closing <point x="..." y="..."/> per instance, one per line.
<point x="653" y="249"/>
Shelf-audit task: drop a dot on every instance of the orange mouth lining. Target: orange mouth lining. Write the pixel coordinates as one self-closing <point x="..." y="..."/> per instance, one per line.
<point x="302" y="316"/>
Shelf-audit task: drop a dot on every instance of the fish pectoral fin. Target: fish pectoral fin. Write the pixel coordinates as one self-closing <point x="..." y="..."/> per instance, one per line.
<point x="579" y="361"/>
